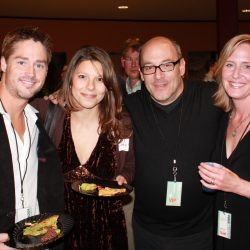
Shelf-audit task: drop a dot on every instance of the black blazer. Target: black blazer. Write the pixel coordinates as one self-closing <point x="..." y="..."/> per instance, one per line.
<point x="50" y="178"/>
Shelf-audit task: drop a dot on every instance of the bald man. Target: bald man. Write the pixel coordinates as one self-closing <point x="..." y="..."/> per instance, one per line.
<point x="175" y="128"/>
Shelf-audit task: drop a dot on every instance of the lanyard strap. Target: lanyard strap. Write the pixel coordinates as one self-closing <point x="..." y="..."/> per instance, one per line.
<point x="175" y="168"/>
<point x="17" y="151"/>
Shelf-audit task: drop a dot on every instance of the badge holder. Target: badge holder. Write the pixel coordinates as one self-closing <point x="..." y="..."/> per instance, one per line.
<point x="174" y="190"/>
<point x="224" y="223"/>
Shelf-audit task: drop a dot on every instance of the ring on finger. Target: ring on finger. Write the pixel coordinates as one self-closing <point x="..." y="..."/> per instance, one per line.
<point x="212" y="181"/>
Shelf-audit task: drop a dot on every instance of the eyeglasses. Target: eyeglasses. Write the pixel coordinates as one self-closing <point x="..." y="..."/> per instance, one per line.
<point x="164" y="67"/>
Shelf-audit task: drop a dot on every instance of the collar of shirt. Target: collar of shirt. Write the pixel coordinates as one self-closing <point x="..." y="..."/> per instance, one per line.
<point x="29" y="111"/>
<point x="136" y="87"/>
<point x="26" y="155"/>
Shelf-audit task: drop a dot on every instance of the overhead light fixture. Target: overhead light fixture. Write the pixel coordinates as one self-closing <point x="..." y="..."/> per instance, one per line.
<point x="122" y="7"/>
<point x="245" y="11"/>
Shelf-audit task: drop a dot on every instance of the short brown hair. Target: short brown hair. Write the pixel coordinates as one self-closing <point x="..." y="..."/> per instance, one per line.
<point x="22" y="34"/>
<point x="222" y="99"/>
<point x="110" y="108"/>
<point x="131" y="43"/>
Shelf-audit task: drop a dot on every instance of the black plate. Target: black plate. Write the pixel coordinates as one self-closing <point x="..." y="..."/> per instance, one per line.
<point x="104" y="183"/>
<point x="65" y="223"/>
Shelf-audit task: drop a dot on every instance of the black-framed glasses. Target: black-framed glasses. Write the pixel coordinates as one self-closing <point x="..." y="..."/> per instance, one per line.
<point x="164" y="67"/>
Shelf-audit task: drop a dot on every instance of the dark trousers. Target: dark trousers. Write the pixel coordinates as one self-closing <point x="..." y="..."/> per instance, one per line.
<point x="145" y="240"/>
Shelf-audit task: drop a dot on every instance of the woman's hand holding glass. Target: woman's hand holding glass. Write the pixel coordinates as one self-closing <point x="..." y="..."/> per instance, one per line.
<point x="218" y="177"/>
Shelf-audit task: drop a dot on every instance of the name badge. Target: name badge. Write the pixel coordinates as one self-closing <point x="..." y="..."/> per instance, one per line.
<point x="124" y="145"/>
<point x="23" y="213"/>
<point x="174" y="191"/>
<point x="224" y="224"/>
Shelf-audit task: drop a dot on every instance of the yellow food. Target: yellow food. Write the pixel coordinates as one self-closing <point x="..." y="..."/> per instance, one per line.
<point x="40" y="228"/>
<point x="102" y="191"/>
<point x="110" y="191"/>
<point x="88" y="187"/>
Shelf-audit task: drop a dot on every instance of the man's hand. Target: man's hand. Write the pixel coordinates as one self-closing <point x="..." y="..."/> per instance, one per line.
<point x="53" y="98"/>
<point x="3" y="239"/>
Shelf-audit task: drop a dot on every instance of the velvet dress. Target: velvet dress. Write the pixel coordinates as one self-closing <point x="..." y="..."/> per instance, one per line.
<point x="99" y="222"/>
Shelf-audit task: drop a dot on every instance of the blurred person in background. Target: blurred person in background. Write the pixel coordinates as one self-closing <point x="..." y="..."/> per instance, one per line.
<point x="130" y="81"/>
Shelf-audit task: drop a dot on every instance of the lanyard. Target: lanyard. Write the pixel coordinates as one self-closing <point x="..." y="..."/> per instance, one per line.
<point x="175" y="168"/>
<point x="17" y="151"/>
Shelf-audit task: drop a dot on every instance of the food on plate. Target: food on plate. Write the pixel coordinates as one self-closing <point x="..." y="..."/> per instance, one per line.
<point x="88" y="187"/>
<point x="100" y="190"/>
<point x="50" y="234"/>
<point x="46" y="228"/>
<point x="106" y="191"/>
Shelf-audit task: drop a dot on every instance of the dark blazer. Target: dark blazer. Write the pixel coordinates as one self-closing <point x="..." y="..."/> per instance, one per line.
<point x="50" y="178"/>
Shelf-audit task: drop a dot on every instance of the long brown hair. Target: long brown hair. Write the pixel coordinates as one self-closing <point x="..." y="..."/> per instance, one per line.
<point x="222" y="99"/>
<point x="110" y="108"/>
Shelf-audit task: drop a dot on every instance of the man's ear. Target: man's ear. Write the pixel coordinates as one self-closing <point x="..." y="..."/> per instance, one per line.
<point x="3" y="64"/>
<point x="142" y="77"/>
<point x="182" y="66"/>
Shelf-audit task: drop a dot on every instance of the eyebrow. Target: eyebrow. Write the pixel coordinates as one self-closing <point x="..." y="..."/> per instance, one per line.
<point x="231" y="61"/>
<point x="164" y="61"/>
<point x="26" y="59"/>
<point x="21" y="57"/>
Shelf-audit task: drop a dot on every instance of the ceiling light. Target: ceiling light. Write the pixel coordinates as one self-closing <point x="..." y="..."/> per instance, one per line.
<point x="122" y="7"/>
<point x="245" y="10"/>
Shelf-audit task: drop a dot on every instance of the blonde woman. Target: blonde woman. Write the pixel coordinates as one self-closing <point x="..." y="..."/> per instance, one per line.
<point x="232" y="177"/>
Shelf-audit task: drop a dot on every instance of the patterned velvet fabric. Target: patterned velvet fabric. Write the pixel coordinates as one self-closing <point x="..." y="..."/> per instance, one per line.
<point x="99" y="222"/>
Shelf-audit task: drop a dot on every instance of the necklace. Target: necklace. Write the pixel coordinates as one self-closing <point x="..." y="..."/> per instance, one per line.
<point x="234" y="133"/>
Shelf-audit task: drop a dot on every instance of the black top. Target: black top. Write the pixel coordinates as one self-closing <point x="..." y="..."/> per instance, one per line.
<point x="157" y="144"/>
<point x="238" y="206"/>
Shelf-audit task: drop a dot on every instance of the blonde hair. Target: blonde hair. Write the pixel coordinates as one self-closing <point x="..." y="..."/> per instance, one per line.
<point x="221" y="98"/>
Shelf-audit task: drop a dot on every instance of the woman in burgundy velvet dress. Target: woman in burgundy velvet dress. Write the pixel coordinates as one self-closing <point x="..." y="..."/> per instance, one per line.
<point x="94" y="138"/>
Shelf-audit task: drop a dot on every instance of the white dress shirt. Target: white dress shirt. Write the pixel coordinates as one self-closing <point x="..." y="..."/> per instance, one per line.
<point x="26" y="153"/>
